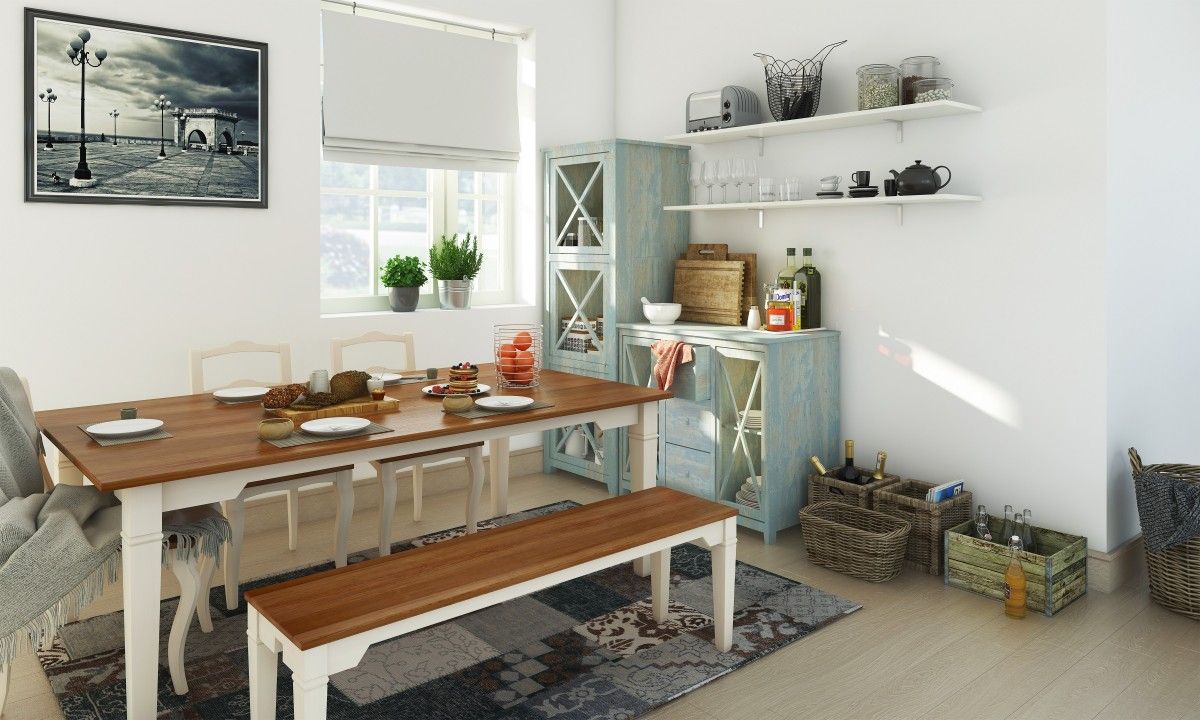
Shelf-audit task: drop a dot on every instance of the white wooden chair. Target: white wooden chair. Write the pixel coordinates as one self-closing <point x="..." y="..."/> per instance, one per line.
<point x="388" y="468"/>
<point x="234" y="510"/>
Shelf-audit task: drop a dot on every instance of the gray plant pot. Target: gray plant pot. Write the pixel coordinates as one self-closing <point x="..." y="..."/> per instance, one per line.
<point x="404" y="299"/>
<point x="454" y="294"/>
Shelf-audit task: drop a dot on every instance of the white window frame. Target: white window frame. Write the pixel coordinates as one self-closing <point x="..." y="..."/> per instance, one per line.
<point x="441" y="185"/>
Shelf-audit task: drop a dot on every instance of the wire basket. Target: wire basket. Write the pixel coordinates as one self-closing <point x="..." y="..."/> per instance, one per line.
<point x="518" y="352"/>
<point x="794" y="86"/>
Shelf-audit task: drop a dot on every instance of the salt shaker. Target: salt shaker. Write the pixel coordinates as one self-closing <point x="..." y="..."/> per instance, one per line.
<point x="753" y="319"/>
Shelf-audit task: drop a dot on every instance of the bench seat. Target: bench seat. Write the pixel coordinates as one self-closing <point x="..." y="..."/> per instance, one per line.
<point x="324" y="623"/>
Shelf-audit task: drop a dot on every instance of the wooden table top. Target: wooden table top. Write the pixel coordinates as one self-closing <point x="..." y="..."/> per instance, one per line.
<point x="327" y="606"/>
<point x="211" y="437"/>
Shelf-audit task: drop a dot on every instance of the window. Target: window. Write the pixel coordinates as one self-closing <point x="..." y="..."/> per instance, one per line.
<point x="371" y="212"/>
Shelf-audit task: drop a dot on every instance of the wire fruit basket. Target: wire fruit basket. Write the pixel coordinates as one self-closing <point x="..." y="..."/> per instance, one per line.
<point x="794" y="86"/>
<point x="518" y="352"/>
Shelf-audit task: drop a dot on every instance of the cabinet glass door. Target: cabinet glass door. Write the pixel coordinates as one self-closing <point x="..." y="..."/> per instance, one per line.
<point x="740" y="424"/>
<point x="579" y="293"/>
<point x="576" y="204"/>
<point x="583" y="449"/>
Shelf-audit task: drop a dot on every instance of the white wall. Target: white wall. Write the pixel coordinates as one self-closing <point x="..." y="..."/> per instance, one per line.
<point x="972" y="337"/>
<point x="1153" y="302"/>
<point x="102" y="303"/>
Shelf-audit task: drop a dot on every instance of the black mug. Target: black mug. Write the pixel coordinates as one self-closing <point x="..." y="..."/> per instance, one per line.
<point x="889" y="187"/>
<point x="861" y="178"/>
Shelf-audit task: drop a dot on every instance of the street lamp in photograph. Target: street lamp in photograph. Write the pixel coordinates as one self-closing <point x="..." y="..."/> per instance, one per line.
<point x="114" y="114"/>
<point x="79" y="54"/>
<point x="49" y="98"/>
<point x="162" y="104"/>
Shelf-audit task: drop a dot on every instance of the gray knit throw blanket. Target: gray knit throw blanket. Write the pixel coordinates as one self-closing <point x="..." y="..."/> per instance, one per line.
<point x="58" y="550"/>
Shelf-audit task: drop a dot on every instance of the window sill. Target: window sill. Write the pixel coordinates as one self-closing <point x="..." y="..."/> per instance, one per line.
<point x="425" y="311"/>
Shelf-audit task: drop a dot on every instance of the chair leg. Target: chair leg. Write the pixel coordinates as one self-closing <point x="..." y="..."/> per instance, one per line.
<point x="234" y="511"/>
<point x="387" y="506"/>
<point x="475" y="488"/>
<point x="4" y="675"/>
<point x="418" y="477"/>
<point x="189" y="580"/>
<point x="293" y="505"/>
<point x="344" y="480"/>
<point x="208" y="566"/>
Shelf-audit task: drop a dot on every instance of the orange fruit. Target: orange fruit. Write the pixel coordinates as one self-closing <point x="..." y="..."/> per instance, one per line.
<point x="508" y="368"/>
<point x="520" y="376"/>
<point x="508" y="351"/>
<point x="522" y="340"/>
<point x="524" y="360"/>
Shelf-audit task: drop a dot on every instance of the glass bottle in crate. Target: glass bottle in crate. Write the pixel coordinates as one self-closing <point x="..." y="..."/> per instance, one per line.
<point x="1027" y="530"/>
<point x="1014" y="582"/>
<point x="981" y="524"/>
<point x="1006" y="530"/>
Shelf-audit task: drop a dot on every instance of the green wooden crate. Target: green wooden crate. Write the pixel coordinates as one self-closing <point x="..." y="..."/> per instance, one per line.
<point x="1055" y="579"/>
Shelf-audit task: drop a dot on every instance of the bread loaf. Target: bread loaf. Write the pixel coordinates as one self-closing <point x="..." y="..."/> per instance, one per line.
<point x="282" y="396"/>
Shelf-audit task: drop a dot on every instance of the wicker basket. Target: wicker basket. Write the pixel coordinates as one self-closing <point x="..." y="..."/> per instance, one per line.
<point x="855" y="541"/>
<point x="906" y="500"/>
<point x="822" y="488"/>
<point x="1174" y="572"/>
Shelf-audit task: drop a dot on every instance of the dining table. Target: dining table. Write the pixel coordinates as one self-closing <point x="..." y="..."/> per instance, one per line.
<point x="214" y="452"/>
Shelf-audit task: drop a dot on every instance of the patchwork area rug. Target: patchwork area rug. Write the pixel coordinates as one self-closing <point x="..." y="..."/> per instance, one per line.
<point x="586" y="649"/>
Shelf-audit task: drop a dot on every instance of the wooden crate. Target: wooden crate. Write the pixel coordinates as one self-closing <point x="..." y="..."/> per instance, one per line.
<point x="1055" y="579"/>
<point x="822" y="488"/>
<point x="358" y="407"/>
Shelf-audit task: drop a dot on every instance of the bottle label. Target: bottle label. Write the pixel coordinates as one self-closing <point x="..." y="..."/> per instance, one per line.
<point x="776" y="319"/>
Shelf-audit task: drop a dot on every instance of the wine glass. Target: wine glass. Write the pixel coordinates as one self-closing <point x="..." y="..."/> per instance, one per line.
<point x="710" y="177"/>
<point x="751" y="176"/>
<point x="724" y="172"/>
<point x="739" y="176"/>
<point x="696" y="177"/>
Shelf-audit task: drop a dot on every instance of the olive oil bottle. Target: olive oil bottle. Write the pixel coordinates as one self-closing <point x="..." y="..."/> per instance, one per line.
<point x="807" y="282"/>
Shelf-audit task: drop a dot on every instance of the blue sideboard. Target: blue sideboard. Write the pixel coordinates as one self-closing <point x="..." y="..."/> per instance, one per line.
<point x="706" y="448"/>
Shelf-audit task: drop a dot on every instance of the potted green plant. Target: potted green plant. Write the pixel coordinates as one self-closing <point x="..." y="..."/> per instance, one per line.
<point x="454" y="264"/>
<point x="403" y="275"/>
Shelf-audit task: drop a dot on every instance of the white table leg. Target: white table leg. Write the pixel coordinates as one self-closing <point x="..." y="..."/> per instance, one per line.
<point x="474" y="487"/>
<point x="418" y="482"/>
<point x="293" y="513"/>
<point x="235" y="512"/>
<point x="310" y="685"/>
<point x="660" y="583"/>
<point x="498" y="453"/>
<point x="724" y="573"/>
<point x="189" y="580"/>
<point x="643" y="460"/>
<point x="344" y="482"/>
<point x="387" y="507"/>
<point x="141" y="582"/>
<point x="264" y="672"/>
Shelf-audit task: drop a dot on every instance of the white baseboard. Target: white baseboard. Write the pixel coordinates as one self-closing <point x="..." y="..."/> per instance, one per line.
<point x="1124" y="565"/>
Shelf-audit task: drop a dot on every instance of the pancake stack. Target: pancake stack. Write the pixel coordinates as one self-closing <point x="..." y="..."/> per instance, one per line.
<point x="464" y="378"/>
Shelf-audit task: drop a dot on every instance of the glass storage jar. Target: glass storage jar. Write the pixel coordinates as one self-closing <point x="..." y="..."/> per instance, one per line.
<point x="912" y="69"/>
<point x="931" y="89"/>
<point x="878" y="86"/>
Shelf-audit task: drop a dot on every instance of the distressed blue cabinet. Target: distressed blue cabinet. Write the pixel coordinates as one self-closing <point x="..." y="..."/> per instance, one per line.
<point x="708" y="448"/>
<point x="608" y="243"/>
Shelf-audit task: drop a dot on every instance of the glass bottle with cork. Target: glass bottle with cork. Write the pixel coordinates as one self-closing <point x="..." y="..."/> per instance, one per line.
<point x="1014" y="581"/>
<point x="781" y="309"/>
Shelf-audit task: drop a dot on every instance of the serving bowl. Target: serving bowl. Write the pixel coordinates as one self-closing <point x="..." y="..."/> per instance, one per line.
<point x="662" y="313"/>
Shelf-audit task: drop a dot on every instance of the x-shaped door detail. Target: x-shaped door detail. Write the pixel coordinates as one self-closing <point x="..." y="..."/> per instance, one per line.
<point x="578" y="199"/>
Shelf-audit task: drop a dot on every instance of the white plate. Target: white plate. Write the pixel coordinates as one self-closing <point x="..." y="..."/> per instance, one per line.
<point x="124" y="428"/>
<point x="504" y="402"/>
<point x="428" y="390"/>
<point x="335" y="426"/>
<point x="240" y="394"/>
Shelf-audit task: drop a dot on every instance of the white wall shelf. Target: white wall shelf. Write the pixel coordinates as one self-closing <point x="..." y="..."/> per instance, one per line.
<point x="897" y="115"/>
<point x="899" y="202"/>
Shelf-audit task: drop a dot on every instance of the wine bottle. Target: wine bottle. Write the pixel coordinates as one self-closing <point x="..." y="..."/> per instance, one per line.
<point x="849" y="473"/>
<point x="808" y="283"/>
<point x="880" y="462"/>
<point x="787" y="276"/>
<point x="817" y="465"/>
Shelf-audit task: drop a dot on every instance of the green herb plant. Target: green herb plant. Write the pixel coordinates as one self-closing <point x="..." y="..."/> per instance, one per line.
<point x="403" y="271"/>
<point x="454" y="259"/>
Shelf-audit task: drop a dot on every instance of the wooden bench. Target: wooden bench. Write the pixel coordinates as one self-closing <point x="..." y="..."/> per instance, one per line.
<point x="324" y="623"/>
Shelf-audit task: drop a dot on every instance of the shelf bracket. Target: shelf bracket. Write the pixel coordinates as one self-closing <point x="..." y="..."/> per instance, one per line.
<point x="899" y="130"/>
<point x="760" y="219"/>
<point x="900" y="215"/>
<point x="762" y="146"/>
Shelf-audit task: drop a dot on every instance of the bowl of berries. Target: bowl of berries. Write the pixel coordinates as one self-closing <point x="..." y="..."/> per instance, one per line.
<point x="518" y="354"/>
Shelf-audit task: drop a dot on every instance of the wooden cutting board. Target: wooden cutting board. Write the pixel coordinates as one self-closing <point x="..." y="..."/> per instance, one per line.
<point x="749" y="280"/>
<point x="706" y="251"/>
<point x="710" y="291"/>
<point x="356" y="407"/>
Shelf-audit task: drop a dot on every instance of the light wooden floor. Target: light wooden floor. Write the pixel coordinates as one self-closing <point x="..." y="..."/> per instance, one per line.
<point x="917" y="650"/>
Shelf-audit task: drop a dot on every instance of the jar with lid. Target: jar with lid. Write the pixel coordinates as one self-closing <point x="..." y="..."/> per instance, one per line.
<point x="878" y="86"/>
<point x="931" y="89"/>
<point x="912" y="69"/>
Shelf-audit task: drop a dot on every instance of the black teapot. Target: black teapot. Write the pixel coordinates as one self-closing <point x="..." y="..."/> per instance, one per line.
<point x="920" y="179"/>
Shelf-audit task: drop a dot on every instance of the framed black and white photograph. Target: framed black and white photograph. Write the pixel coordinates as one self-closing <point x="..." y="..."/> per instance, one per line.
<point x="117" y="112"/>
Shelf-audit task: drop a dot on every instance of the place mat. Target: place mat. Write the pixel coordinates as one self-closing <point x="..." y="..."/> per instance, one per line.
<point x="477" y="412"/>
<point x="158" y="434"/>
<point x="299" y="437"/>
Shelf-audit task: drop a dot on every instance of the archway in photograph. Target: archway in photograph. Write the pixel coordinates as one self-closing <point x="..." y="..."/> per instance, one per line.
<point x="196" y="137"/>
<point x="226" y="145"/>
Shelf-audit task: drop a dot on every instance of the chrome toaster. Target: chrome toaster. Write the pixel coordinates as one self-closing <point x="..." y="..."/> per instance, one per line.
<point x="731" y="106"/>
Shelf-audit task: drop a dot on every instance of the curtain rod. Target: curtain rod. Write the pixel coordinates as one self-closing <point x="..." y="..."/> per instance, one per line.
<point x="387" y="11"/>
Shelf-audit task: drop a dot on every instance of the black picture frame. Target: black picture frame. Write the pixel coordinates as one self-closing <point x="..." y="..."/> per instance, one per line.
<point x="111" y="196"/>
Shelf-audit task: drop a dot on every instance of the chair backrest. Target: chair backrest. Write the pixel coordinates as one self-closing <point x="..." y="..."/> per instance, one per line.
<point x="337" y="351"/>
<point x="47" y="478"/>
<point x="283" y="350"/>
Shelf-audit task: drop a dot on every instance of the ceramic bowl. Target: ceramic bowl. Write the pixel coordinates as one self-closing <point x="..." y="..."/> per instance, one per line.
<point x="275" y="428"/>
<point x="457" y="403"/>
<point x="662" y="313"/>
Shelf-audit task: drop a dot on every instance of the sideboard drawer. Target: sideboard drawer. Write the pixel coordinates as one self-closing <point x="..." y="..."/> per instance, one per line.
<point x="692" y="379"/>
<point x="690" y="471"/>
<point x="688" y="424"/>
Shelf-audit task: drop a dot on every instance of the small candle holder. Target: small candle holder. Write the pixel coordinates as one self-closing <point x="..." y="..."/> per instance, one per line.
<point x="129" y="413"/>
<point x="318" y="381"/>
<point x="375" y="387"/>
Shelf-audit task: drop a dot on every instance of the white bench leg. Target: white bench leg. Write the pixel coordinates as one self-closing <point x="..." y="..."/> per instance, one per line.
<point x="498" y="454"/>
<point x="293" y="509"/>
<point x="264" y="673"/>
<point x="660" y="583"/>
<point x="418" y="479"/>
<point x="344" y="481"/>
<point x="475" y="487"/>
<point x="387" y="507"/>
<point x="724" y="573"/>
<point x="234" y="512"/>
<point x="310" y="685"/>
<point x="189" y="580"/>
<point x="208" y="566"/>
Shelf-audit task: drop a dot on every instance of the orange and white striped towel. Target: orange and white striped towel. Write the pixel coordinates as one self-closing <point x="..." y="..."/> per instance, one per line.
<point x="669" y="355"/>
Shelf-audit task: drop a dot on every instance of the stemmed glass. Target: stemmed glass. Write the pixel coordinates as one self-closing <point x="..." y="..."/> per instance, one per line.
<point x="751" y="176"/>
<point x="710" y="178"/>
<point x="724" y="173"/>
<point x="696" y="177"/>
<point x="739" y="176"/>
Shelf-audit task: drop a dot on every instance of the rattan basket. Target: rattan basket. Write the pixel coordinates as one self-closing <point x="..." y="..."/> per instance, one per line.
<point x="1174" y="572"/>
<point x="858" y="542"/>
<point x="822" y="488"/>
<point x="929" y="520"/>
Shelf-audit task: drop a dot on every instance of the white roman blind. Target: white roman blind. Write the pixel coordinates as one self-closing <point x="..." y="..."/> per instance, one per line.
<point x="397" y="94"/>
